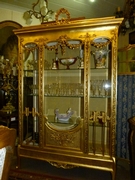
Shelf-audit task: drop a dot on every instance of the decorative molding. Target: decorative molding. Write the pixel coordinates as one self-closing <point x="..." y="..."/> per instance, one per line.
<point x="63" y="139"/>
<point x="62" y="165"/>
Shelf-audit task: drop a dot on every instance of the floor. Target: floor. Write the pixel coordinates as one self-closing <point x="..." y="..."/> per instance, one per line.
<point x="122" y="173"/>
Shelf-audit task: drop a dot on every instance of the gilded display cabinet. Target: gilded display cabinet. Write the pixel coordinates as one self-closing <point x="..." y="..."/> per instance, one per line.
<point x="67" y="92"/>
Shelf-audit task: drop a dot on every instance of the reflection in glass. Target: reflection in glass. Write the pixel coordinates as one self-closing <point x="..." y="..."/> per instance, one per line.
<point x="106" y="86"/>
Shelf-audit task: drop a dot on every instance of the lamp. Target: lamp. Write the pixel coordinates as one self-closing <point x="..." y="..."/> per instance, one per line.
<point x="44" y="14"/>
<point x="8" y="83"/>
<point x="129" y="16"/>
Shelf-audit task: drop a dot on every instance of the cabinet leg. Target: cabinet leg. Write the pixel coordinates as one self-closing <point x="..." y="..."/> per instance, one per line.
<point x="114" y="169"/>
<point x="113" y="175"/>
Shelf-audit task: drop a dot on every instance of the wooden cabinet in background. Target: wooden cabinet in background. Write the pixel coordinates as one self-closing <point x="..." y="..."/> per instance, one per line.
<point x="132" y="146"/>
<point x="126" y="60"/>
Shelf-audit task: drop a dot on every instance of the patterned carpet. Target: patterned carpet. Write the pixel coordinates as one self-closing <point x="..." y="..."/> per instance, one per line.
<point x="24" y="175"/>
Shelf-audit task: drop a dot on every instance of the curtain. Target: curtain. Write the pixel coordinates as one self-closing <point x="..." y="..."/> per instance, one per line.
<point x="125" y="110"/>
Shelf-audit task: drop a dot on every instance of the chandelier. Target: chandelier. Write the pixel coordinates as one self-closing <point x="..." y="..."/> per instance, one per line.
<point x="129" y="16"/>
<point x="40" y="11"/>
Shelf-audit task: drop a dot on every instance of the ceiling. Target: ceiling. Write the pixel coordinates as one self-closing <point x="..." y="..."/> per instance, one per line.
<point x="76" y="8"/>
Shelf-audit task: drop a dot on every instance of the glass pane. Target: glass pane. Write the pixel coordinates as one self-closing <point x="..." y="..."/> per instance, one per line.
<point x="63" y="87"/>
<point x="100" y="97"/>
<point x="31" y="98"/>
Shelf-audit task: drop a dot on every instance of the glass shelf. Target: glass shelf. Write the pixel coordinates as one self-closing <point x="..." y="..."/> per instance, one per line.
<point x="73" y="96"/>
<point x="63" y="124"/>
<point x="100" y="97"/>
<point x="73" y="69"/>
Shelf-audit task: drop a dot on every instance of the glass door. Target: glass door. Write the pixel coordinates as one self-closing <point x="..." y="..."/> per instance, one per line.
<point x="100" y="97"/>
<point x="63" y="85"/>
<point x="30" y="95"/>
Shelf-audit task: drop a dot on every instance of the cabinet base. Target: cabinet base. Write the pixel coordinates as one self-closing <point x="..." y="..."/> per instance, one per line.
<point x="63" y="160"/>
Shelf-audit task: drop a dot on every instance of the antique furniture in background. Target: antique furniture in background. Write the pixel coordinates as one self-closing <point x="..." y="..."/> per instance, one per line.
<point x="9" y="120"/>
<point x="6" y="30"/>
<point x="132" y="146"/>
<point x="7" y="145"/>
<point x="132" y="37"/>
<point x="67" y="116"/>
<point x="8" y="50"/>
<point x="126" y="60"/>
<point x="8" y="81"/>
<point x="126" y="97"/>
<point x="128" y="13"/>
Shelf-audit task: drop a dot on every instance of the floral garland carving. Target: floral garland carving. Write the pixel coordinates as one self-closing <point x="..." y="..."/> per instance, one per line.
<point x="63" y="139"/>
<point x="100" y="44"/>
<point x="62" y="165"/>
<point x="62" y="20"/>
<point x="62" y="42"/>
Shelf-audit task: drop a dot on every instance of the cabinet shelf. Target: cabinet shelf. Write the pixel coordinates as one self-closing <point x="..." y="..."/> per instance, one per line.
<point x="68" y="70"/>
<point x="100" y="97"/>
<point x="68" y="96"/>
<point x="57" y="70"/>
